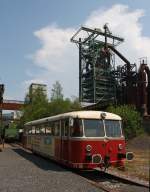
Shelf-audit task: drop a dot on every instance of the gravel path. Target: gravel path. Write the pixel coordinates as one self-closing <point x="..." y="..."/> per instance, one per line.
<point x="21" y="171"/>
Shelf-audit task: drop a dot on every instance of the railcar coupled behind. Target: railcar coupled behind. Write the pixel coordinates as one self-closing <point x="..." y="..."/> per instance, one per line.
<point x="80" y="139"/>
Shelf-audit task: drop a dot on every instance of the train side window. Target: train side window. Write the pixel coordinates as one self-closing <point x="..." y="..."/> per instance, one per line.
<point x="42" y="129"/>
<point x="33" y="130"/>
<point x="56" y="128"/>
<point x="25" y="130"/>
<point x="66" y="125"/>
<point x="29" y="129"/>
<point x="62" y="127"/>
<point x="49" y="128"/>
<point x="52" y="127"/>
<point x="77" y="128"/>
<point x="37" y="129"/>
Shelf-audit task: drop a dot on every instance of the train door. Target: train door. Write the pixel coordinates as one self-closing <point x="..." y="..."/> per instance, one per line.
<point x="65" y="142"/>
<point x="30" y="133"/>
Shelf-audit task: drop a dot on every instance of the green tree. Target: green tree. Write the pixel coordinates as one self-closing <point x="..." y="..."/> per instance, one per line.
<point x="131" y="119"/>
<point x="40" y="107"/>
<point x="59" y="106"/>
<point x="37" y="108"/>
<point x="56" y="92"/>
<point x="75" y="104"/>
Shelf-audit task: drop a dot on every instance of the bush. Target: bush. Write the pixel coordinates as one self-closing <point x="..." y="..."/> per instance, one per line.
<point x="132" y="121"/>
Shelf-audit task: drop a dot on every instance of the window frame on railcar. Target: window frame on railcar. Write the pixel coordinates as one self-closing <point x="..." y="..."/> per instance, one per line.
<point x="103" y="127"/>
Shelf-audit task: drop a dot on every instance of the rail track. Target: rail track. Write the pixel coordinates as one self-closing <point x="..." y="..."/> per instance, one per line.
<point x="112" y="183"/>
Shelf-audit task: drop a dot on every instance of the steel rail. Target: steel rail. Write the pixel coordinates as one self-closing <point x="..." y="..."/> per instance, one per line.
<point x="96" y="181"/>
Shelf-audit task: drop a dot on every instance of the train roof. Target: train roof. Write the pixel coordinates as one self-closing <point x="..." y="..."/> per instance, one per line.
<point x="78" y="114"/>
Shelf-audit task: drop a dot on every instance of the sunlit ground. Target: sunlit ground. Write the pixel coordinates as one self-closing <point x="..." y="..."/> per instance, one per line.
<point x="139" y="166"/>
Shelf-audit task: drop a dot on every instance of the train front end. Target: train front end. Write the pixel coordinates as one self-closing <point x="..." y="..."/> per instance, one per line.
<point x="98" y="142"/>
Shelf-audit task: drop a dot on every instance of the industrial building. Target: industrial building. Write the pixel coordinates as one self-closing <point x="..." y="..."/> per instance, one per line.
<point x="101" y="81"/>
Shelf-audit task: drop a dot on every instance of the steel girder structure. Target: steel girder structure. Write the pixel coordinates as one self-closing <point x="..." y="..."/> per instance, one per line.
<point x="100" y="81"/>
<point x="97" y="82"/>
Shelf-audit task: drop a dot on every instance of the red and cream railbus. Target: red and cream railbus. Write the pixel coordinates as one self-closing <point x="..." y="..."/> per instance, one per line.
<point x="80" y="139"/>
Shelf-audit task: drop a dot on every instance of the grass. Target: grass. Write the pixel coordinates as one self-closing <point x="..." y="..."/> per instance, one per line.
<point x="139" y="166"/>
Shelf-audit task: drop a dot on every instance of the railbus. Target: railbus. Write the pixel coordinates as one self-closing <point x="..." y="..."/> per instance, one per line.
<point x="79" y="139"/>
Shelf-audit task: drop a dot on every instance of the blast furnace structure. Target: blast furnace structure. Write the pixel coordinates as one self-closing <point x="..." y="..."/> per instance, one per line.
<point x="101" y="82"/>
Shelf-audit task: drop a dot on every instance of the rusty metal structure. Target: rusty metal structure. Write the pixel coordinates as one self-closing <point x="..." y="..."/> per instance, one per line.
<point x="143" y="88"/>
<point x="96" y="63"/>
<point x="101" y="82"/>
<point x="133" y="86"/>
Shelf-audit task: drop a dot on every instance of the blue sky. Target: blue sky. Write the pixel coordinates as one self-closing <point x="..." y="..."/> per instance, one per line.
<point x="28" y="27"/>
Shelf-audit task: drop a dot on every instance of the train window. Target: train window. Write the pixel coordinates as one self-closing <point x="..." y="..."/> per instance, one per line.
<point x="94" y="128"/>
<point x="62" y="127"/>
<point x="49" y="128"/>
<point x="25" y="130"/>
<point x="37" y="129"/>
<point x="42" y="128"/>
<point x="77" y="129"/>
<point x="33" y="130"/>
<point x="29" y="130"/>
<point x="113" y="128"/>
<point x="65" y="127"/>
<point x="66" y="123"/>
<point x="56" y="128"/>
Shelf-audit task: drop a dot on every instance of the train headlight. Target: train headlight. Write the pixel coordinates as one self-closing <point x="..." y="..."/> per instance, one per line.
<point x="129" y="156"/>
<point x="120" y="146"/>
<point x="88" y="148"/>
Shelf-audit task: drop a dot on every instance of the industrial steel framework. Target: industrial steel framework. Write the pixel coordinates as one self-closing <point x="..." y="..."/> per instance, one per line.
<point x="97" y="82"/>
<point x="100" y="81"/>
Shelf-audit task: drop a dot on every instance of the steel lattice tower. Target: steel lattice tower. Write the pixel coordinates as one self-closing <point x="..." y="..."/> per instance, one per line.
<point x="97" y="83"/>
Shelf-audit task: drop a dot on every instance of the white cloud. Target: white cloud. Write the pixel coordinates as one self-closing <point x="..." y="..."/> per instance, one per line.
<point x="125" y="23"/>
<point x="58" y="57"/>
<point x="56" y="48"/>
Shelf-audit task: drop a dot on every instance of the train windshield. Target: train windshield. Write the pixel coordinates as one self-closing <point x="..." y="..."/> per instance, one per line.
<point x="93" y="128"/>
<point x="113" y="128"/>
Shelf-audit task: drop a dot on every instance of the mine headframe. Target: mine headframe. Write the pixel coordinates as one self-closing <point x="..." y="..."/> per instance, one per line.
<point x="97" y="83"/>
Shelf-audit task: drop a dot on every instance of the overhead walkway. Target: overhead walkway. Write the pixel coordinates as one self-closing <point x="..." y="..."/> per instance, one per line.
<point x="11" y="105"/>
